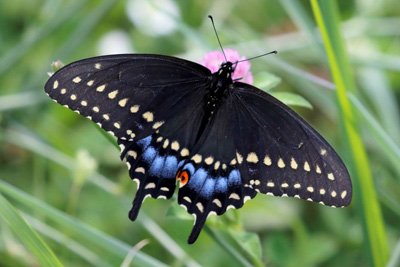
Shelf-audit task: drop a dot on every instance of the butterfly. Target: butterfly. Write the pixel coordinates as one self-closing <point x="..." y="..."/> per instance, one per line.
<point x="221" y="140"/>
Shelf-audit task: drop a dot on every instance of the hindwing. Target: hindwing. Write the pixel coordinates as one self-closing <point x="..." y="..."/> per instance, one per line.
<point x="154" y="161"/>
<point x="283" y="155"/>
<point x="215" y="182"/>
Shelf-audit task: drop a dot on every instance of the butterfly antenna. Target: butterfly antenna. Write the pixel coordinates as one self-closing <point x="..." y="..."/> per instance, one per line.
<point x="247" y="59"/>
<point x="215" y="30"/>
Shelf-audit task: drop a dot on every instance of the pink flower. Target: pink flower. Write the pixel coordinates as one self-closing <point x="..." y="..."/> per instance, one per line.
<point x="213" y="60"/>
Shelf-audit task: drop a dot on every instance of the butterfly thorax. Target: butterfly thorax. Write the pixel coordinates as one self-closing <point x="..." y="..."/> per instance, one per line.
<point x="222" y="78"/>
<point x="220" y="83"/>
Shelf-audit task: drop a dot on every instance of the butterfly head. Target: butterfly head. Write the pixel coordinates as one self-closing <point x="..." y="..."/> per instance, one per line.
<point x="226" y="70"/>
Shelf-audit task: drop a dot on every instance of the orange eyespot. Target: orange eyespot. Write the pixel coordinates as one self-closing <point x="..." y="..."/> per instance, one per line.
<point x="183" y="176"/>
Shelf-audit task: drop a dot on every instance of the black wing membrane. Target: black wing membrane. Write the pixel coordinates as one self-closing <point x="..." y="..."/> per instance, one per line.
<point x="127" y="95"/>
<point x="281" y="154"/>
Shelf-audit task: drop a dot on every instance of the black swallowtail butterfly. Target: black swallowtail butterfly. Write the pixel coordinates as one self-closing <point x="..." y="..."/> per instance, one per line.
<point x="223" y="140"/>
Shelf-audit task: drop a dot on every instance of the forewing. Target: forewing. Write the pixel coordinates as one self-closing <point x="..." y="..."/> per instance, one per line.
<point x="129" y="96"/>
<point x="154" y="104"/>
<point x="281" y="154"/>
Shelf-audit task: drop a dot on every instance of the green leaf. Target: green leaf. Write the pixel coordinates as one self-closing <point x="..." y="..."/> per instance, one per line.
<point x="291" y="99"/>
<point x="250" y="242"/>
<point x="279" y="249"/>
<point x="225" y="241"/>
<point x="266" y="81"/>
<point x="31" y="239"/>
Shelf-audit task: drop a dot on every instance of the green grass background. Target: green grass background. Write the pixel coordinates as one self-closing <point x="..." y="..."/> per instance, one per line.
<point x="64" y="194"/>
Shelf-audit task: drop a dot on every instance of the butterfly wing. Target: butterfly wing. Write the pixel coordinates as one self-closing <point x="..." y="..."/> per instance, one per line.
<point x="215" y="183"/>
<point x="153" y="104"/>
<point x="281" y="154"/>
<point x="129" y="96"/>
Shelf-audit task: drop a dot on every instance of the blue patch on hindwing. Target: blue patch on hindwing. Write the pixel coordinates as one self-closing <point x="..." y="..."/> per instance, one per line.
<point x="221" y="185"/>
<point x="197" y="180"/>
<point x="234" y="178"/>
<point x="149" y="154"/>
<point x="157" y="166"/>
<point x="189" y="167"/>
<point x="208" y="188"/>
<point x="170" y="167"/>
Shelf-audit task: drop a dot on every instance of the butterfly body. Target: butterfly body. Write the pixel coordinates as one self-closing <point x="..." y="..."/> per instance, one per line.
<point x="220" y="82"/>
<point x="222" y="140"/>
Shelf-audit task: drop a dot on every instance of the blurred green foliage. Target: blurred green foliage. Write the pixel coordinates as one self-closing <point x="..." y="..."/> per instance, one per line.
<point x="67" y="181"/>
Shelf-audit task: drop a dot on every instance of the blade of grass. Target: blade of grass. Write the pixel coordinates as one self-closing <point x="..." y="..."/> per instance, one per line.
<point x="376" y="85"/>
<point x="326" y="15"/>
<point x="66" y="241"/>
<point x="20" y="100"/>
<point x="31" y="239"/>
<point x="128" y="259"/>
<point x="389" y="200"/>
<point x="377" y="60"/>
<point x="395" y="259"/>
<point x="389" y="147"/>
<point x="166" y="241"/>
<point x="80" y="229"/>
